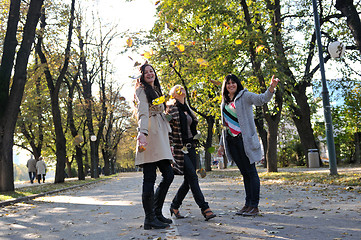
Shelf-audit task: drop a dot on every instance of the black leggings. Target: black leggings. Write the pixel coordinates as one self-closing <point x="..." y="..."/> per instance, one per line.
<point x="150" y="175"/>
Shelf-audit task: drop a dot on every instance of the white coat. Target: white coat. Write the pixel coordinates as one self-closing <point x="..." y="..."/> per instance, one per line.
<point x="40" y="167"/>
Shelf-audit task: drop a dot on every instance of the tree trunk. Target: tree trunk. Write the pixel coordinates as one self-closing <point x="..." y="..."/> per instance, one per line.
<point x="207" y="154"/>
<point x="10" y="104"/>
<point x="107" y="160"/>
<point x="9" y="49"/>
<point x="272" y="146"/>
<point x="357" y="147"/>
<point x="302" y="120"/>
<point x="262" y="132"/>
<point x="353" y="20"/>
<point x="68" y="168"/>
<point x="60" y="141"/>
<point x="87" y="94"/>
<point x="271" y="119"/>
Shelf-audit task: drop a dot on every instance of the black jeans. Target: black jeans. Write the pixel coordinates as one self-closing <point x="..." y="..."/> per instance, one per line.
<point x="150" y="175"/>
<point x="190" y="181"/>
<point x="248" y="171"/>
<point x="39" y="177"/>
<point x="32" y="176"/>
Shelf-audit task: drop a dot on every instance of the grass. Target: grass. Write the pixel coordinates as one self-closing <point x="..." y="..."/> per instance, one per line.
<point x="43" y="188"/>
<point x="345" y="178"/>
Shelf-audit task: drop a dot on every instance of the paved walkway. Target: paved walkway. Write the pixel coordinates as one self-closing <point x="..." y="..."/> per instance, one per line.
<point x="112" y="210"/>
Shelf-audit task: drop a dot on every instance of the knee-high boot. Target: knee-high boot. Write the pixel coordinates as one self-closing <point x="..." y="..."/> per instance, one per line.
<point x="159" y="198"/>
<point x="151" y="221"/>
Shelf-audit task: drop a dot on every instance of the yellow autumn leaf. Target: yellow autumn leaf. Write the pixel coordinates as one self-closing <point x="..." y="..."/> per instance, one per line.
<point x="178" y="91"/>
<point x="202" y="62"/>
<point x="226" y="24"/>
<point x="146" y="55"/>
<point x="206" y="8"/>
<point x="180" y="10"/>
<point x="159" y="100"/>
<point x="259" y="48"/>
<point x="225" y="62"/>
<point x="172" y="43"/>
<point x="215" y="82"/>
<point x="181" y="47"/>
<point x="157" y="2"/>
<point x="238" y="41"/>
<point x="129" y="42"/>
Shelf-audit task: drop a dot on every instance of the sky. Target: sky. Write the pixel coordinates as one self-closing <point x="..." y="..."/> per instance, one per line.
<point x="134" y="16"/>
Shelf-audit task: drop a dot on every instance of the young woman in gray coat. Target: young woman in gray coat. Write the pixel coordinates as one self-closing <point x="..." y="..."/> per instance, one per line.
<point x="239" y="138"/>
<point x="153" y="148"/>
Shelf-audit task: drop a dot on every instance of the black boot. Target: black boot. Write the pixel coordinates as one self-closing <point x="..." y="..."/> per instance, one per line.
<point x="159" y="198"/>
<point x="151" y="221"/>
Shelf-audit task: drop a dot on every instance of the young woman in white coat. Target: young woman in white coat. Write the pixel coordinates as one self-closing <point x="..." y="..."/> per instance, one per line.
<point x="153" y="148"/>
<point x="239" y="140"/>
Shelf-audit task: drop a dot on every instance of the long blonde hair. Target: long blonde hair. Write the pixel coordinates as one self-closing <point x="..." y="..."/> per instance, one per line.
<point x="172" y="100"/>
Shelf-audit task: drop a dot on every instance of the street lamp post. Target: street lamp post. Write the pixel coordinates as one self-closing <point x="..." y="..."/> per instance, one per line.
<point x="325" y="97"/>
<point x="93" y="138"/>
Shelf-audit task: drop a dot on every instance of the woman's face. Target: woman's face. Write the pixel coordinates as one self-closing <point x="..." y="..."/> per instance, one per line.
<point x="231" y="87"/>
<point x="149" y="75"/>
<point x="180" y="92"/>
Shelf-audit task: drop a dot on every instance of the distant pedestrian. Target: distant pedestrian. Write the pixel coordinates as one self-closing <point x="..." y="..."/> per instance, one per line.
<point x="239" y="138"/>
<point x="31" y="165"/>
<point x="41" y="169"/>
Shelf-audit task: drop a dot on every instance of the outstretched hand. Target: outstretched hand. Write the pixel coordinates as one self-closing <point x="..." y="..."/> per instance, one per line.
<point x="274" y="82"/>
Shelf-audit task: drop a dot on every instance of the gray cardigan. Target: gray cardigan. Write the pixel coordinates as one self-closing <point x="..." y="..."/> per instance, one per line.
<point x="243" y="102"/>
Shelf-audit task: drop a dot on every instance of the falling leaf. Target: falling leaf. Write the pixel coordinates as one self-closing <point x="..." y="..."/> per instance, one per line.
<point x="226" y="25"/>
<point x="225" y="62"/>
<point x="135" y="76"/>
<point x="180" y="10"/>
<point x="141" y="148"/>
<point x="157" y="2"/>
<point x="181" y="47"/>
<point x="137" y="64"/>
<point x="259" y="48"/>
<point x="194" y="94"/>
<point x="129" y="42"/>
<point x="215" y="82"/>
<point x="205" y="9"/>
<point x="172" y="43"/>
<point x="238" y="41"/>
<point x="170" y="25"/>
<point x="202" y="62"/>
<point x="147" y="55"/>
<point x="159" y="100"/>
<point x="178" y="91"/>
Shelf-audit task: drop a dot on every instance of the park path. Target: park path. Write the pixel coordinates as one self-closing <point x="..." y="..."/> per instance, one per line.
<point x="112" y="210"/>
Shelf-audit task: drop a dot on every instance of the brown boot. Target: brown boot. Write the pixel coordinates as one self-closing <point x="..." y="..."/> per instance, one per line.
<point x="253" y="211"/>
<point x="243" y="210"/>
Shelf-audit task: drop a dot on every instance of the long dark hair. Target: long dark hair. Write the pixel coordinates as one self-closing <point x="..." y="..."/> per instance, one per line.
<point x="150" y="92"/>
<point x="233" y="78"/>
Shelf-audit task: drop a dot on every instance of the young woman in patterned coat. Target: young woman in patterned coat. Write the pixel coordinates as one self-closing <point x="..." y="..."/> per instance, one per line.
<point x="184" y="124"/>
